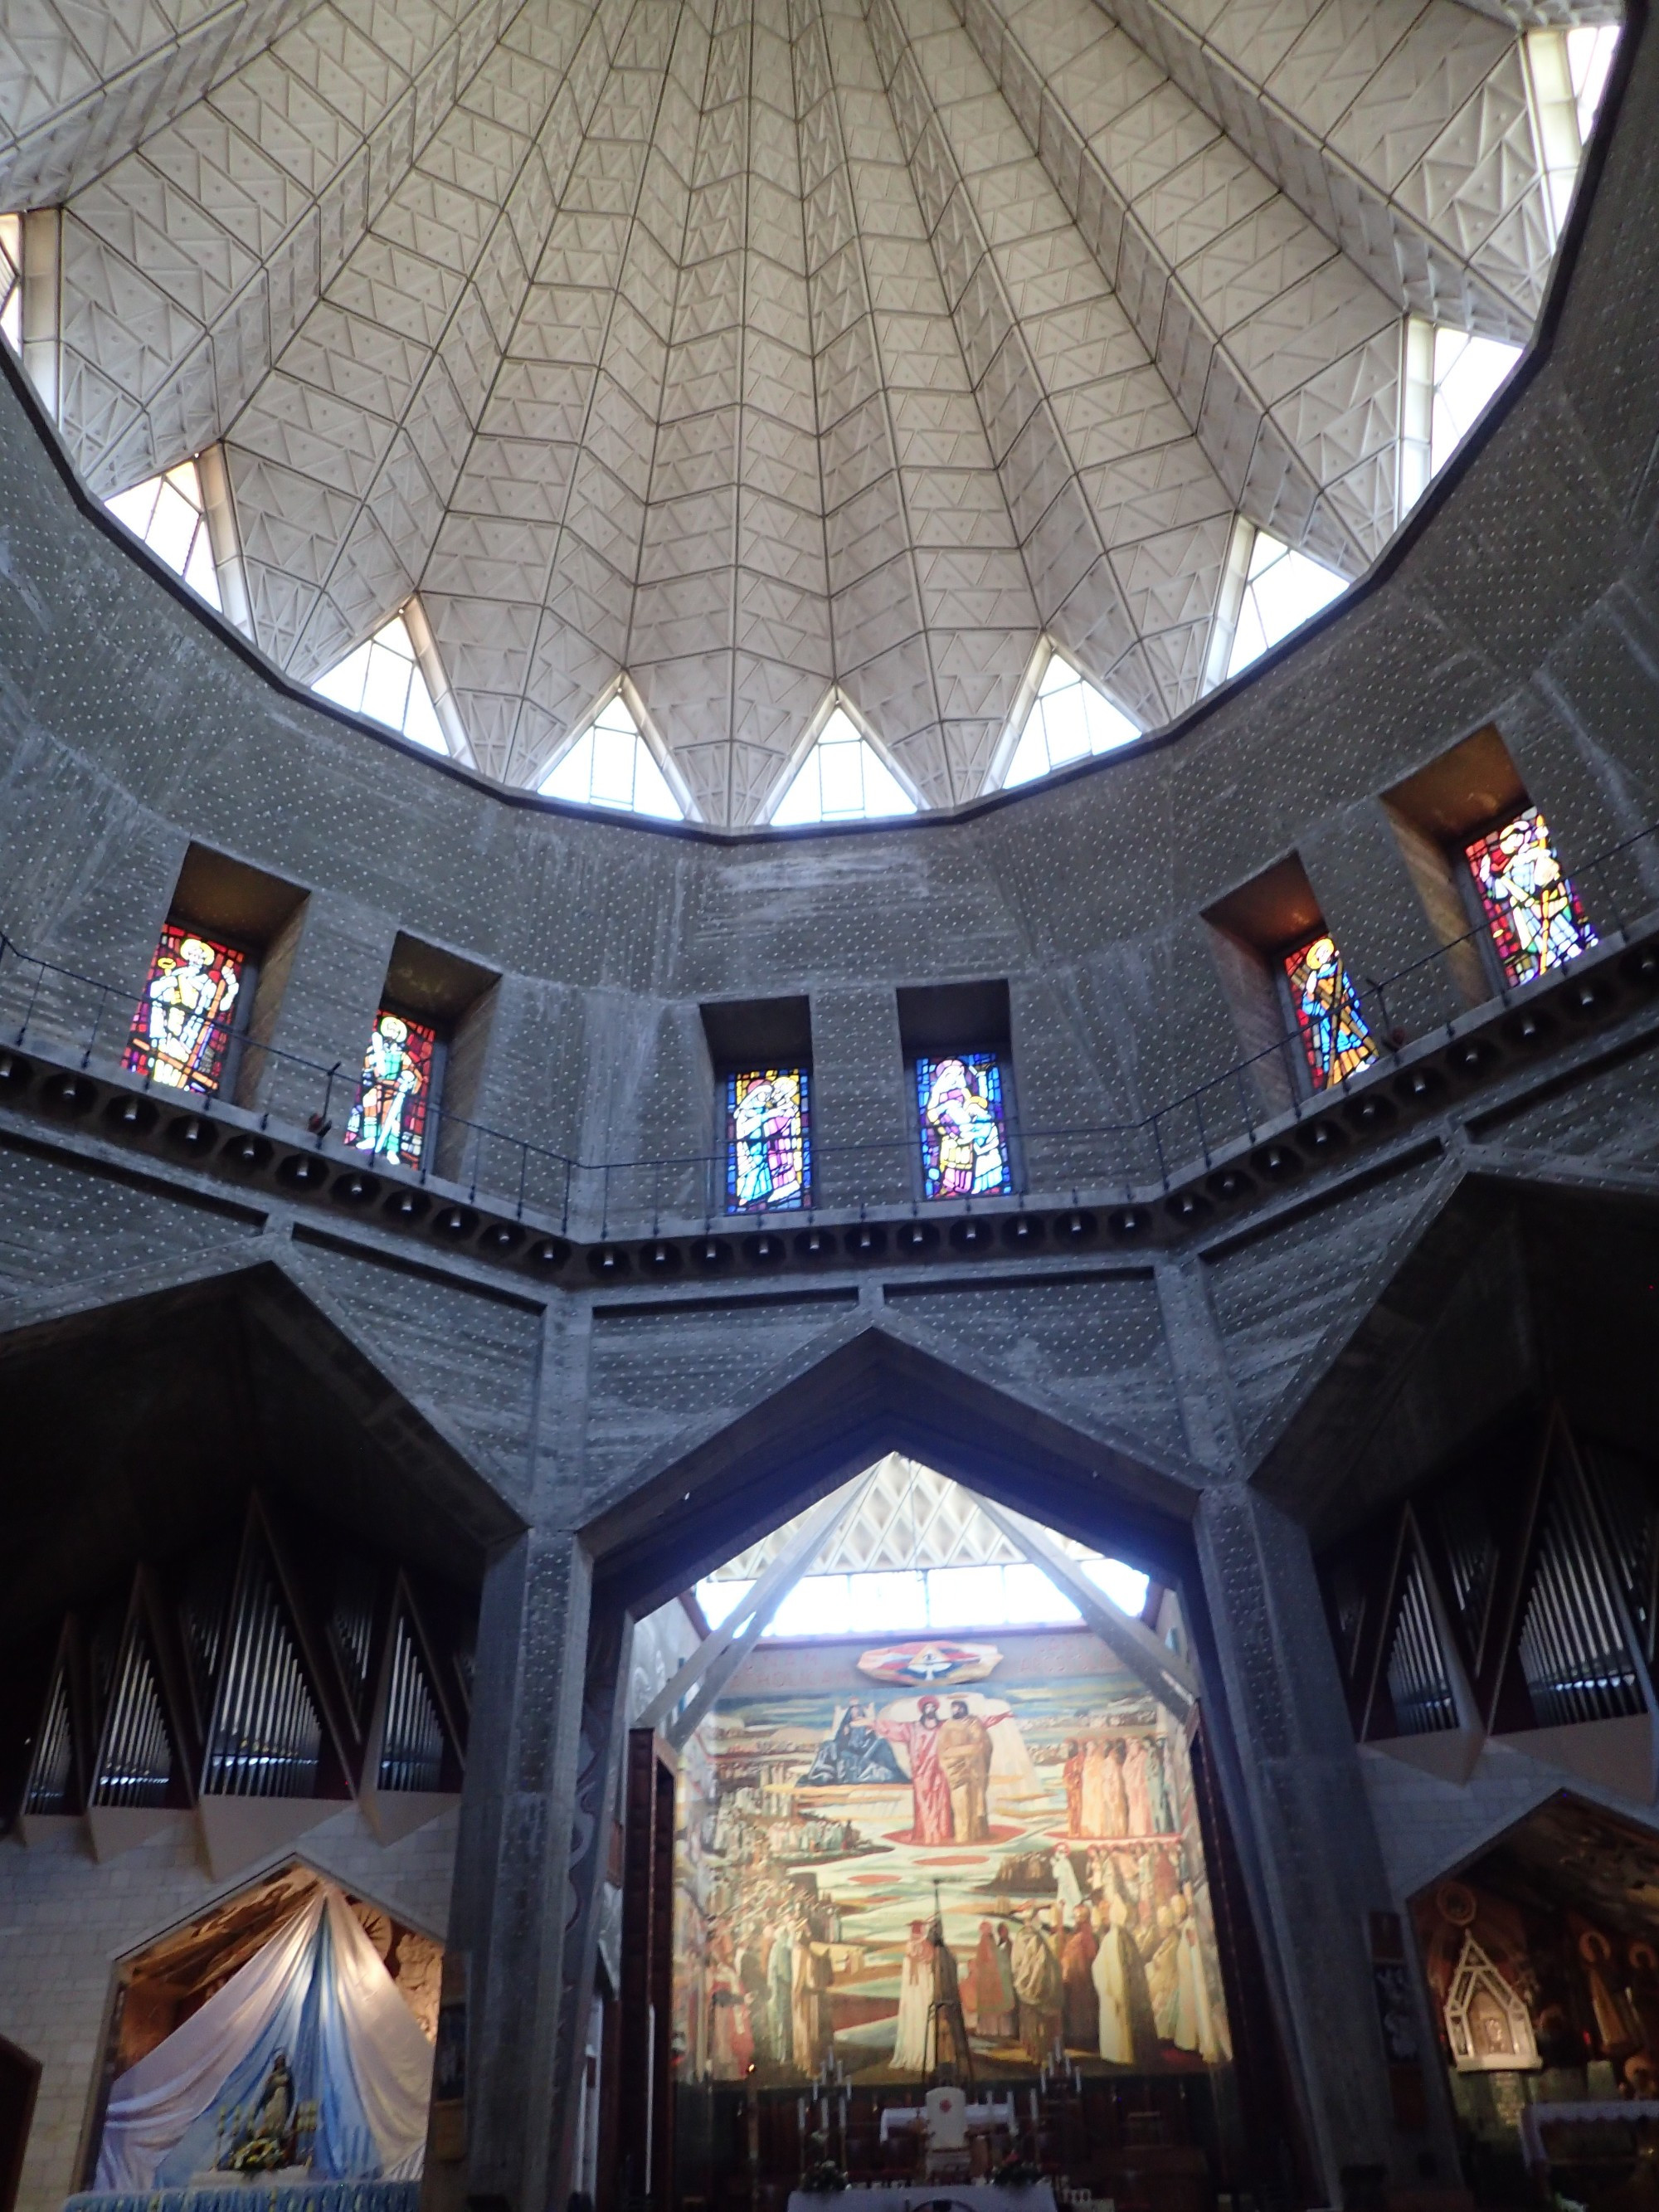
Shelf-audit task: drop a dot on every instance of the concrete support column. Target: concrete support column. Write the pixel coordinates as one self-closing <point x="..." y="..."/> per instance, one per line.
<point x="1311" y="1847"/>
<point x="511" y="1912"/>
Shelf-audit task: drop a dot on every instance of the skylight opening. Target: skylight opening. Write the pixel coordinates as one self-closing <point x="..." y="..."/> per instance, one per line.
<point x="1283" y="589"/>
<point x="1590" y="50"/>
<point x="843" y="779"/>
<point x="383" y="679"/>
<point x="611" y="765"/>
<point x="170" y="514"/>
<point x="11" y="281"/>
<point x="1070" y="720"/>
<point x="1469" y="372"/>
<point x="1016" y="1593"/>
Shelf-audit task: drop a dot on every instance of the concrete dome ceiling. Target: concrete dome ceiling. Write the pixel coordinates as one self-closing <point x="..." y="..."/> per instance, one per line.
<point x="756" y="347"/>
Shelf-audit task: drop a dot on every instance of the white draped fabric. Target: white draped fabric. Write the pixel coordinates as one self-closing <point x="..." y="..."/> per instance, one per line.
<point x="319" y="1990"/>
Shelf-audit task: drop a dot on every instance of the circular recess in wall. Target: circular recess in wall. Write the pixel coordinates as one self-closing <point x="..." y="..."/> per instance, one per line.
<point x="1187" y="1207"/>
<point x="1129" y="1223"/>
<point x="1470" y="1056"/>
<point x="915" y="1236"/>
<point x="247" y="1152"/>
<point x="1418" y="1086"/>
<point x="711" y="1253"/>
<point x="502" y="1238"/>
<point x="660" y="1259"/>
<point x="972" y="1235"/>
<point x="1531" y="1027"/>
<point x="73" y="1095"/>
<point x="1640" y="966"/>
<point x="354" y="1188"/>
<point x="16" y="1072"/>
<point x="1587" y="996"/>
<point x="1322" y="1137"/>
<point x="1276" y="1161"/>
<point x="607" y="1261"/>
<point x="548" y="1252"/>
<point x="766" y="1250"/>
<point x="815" y="1244"/>
<point x="1076" y="1227"/>
<point x="866" y="1240"/>
<point x="1229" y="1183"/>
<point x="131" y="1117"/>
<point x="192" y="1132"/>
<point x="1371" y="1114"/>
<point x="302" y="1171"/>
<point x="1021" y="1231"/>
<point x="408" y="1205"/>
<point x="454" y="1221"/>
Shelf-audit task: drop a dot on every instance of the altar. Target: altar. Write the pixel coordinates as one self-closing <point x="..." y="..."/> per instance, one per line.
<point x="931" y="2196"/>
<point x="258" y="2194"/>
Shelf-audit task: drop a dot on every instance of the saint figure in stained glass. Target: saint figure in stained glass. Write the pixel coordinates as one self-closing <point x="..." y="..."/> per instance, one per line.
<point x="768" y="1143"/>
<point x="1334" y="1035"/>
<point x="181" y="1029"/>
<point x="389" y="1116"/>
<point x="1530" y="904"/>
<point x="964" y="1143"/>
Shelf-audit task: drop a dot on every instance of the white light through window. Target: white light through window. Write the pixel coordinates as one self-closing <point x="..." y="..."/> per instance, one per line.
<point x="1282" y="589"/>
<point x="1590" y="50"/>
<point x="167" y="512"/>
<point x="1468" y="374"/>
<point x="11" y="280"/>
<point x="843" y="779"/>
<point x="611" y="765"/>
<point x="908" y="1601"/>
<point x="382" y="679"/>
<point x="1069" y="720"/>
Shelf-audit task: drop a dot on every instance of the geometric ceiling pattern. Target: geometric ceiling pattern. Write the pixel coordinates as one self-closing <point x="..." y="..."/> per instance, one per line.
<point x="761" y="349"/>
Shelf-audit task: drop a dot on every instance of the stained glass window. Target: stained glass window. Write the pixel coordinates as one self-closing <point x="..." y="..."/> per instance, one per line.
<point x="394" y="1090"/>
<point x="1531" y="907"/>
<point x="382" y="678"/>
<point x="964" y="1138"/>
<point x="170" y="514"/>
<point x="181" y="1029"/>
<point x="769" y="1140"/>
<point x="1335" y="1034"/>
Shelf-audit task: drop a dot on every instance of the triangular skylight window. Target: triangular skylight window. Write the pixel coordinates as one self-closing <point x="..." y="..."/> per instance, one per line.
<point x="11" y="280"/>
<point x="611" y="765"/>
<point x="843" y="779"/>
<point x="1468" y="374"/>
<point x="1069" y="720"/>
<point x="383" y="679"/>
<point x="170" y="514"/>
<point x="1283" y="589"/>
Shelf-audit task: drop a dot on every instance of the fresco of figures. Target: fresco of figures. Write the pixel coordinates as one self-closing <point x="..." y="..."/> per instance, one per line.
<point x="950" y="1851"/>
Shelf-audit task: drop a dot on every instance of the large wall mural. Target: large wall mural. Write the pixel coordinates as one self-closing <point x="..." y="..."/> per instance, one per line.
<point x="974" y="1853"/>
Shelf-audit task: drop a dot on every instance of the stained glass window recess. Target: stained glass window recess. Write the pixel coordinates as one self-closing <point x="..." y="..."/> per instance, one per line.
<point x="1468" y="374"/>
<point x="843" y="779"/>
<point x="11" y="280"/>
<point x="769" y="1141"/>
<point x="611" y="765"/>
<point x="1283" y="589"/>
<point x="1530" y="906"/>
<point x="169" y="513"/>
<point x="383" y="679"/>
<point x="182" y="1027"/>
<point x="964" y="1138"/>
<point x="1335" y="1034"/>
<point x="1069" y="720"/>
<point x="394" y="1091"/>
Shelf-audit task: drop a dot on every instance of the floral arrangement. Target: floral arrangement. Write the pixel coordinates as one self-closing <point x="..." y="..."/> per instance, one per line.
<point x="826" y="2178"/>
<point x="1017" y="2172"/>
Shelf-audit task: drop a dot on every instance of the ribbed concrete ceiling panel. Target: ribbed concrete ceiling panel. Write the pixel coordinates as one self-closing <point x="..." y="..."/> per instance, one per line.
<point x="765" y="348"/>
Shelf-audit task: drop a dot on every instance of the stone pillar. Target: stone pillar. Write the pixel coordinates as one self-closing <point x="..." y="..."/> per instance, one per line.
<point x="510" y="1905"/>
<point x="1310" y="1847"/>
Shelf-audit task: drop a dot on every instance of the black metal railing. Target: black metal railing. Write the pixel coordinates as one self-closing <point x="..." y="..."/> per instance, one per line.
<point x="86" y="1022"/>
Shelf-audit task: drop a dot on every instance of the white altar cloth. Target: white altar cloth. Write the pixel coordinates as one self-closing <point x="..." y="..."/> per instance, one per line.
<point x="925" y="2196"/>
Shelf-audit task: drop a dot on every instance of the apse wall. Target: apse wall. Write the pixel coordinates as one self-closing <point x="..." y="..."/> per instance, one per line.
<point x="1522" y="594"/>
